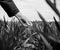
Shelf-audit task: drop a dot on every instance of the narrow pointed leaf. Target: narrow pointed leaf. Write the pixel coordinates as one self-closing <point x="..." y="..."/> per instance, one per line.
<point x="53" y="7"/>
<point x="57" y="24"/>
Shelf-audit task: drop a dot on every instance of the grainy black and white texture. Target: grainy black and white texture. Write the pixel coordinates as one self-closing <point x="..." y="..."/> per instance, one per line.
<point x="43" y="35"/>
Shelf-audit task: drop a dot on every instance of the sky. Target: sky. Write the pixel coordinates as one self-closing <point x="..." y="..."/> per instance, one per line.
<point x="28" y="8"/>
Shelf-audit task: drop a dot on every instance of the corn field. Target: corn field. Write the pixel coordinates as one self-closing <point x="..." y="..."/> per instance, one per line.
<point x="42" y="35"/>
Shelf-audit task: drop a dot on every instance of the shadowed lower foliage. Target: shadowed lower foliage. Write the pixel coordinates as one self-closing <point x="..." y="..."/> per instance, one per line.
<point x="14" y="36"/>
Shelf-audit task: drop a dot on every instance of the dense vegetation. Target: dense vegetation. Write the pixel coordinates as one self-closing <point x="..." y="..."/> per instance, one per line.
<point x="14" y="36"/>
<point x="42" y="35"/>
